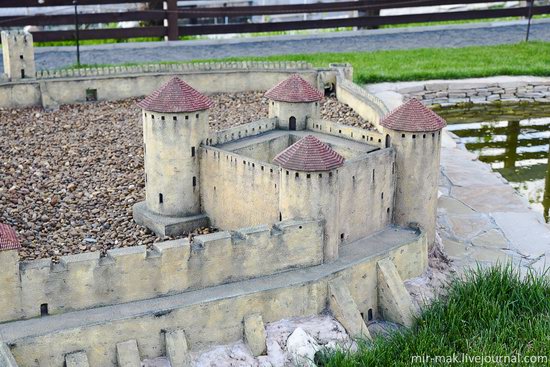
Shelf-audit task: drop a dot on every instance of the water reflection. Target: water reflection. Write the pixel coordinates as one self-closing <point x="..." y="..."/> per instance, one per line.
<point x="514" y="140"/>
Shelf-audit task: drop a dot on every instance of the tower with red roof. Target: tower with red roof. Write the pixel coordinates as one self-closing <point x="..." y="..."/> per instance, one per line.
<point x="293" y="101"/>
<point x="414" y="131"/>
<point x="10" y="298"/>
<point x="175" y="122"/>
<point x="309" y="187"/>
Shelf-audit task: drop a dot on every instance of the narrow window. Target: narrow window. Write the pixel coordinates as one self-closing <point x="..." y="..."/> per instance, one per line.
<point x="162" y="118"/>
<point x="192" y="151"/>
<point x="369" y="314"/>
<point x="382" y="196"/>
<point x="44" y="309"/>
<point x="297" y="175"/>
<point x="161" y="198"/>
<point x="280" y="216"/>
<point x="194" y="181"/>
<point x="197" y="115"/>
<point x="91" y="95"/>
<point x="342" y="236"/>
<point x="22" y="73"/>
<point x="373" y="175"/>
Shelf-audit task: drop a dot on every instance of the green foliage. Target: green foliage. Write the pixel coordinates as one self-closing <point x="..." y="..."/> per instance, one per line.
<point x="492" y="312"/>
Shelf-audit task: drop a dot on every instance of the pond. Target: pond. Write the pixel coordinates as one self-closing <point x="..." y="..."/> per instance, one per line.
<point x="513" y="139"/>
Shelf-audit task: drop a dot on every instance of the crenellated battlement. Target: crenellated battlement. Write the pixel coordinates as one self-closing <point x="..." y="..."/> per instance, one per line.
<point x="174" y="68"/>
<point x="89" y="280"/>
<point x="371" y="137"/>
<point x="241" y="131"/>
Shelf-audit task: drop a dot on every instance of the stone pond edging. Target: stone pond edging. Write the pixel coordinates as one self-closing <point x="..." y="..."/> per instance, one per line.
<point x="475" y="90"/>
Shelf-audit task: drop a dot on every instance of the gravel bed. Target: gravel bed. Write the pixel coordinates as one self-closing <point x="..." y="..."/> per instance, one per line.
<point x="69" y="177"/>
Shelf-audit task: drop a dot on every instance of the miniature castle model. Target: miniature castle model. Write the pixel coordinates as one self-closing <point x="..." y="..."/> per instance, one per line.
<point x="314" y="216"/>
<point x="295" y="167"/>
<point x="18" y="55"/>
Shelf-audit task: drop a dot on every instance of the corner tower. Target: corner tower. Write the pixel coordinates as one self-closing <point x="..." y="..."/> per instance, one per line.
<point x="414" y="131"/>
<point x="175" y="122"/>
<point x="10" y="297"/>
<point x="293" y="101"/>
<point x="18" y="55"/>
<point x="309" y="187"/>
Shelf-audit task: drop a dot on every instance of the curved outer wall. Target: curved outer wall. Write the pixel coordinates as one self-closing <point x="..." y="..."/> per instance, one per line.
<point x="171" y="163"/>
<point x="417" y="168"/>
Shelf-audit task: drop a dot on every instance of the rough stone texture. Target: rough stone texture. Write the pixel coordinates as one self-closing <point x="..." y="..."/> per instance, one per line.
<point x="254" y="334"/>
<point x="127" y="354"/>
<point x="302" y="347"/>
<point x="478" y="90"/>
<point x="393" y="299"/>
<point x="177" y="349"/>
<point x="6" y="358"/>
<point x="76" y="359"/>
<point x="344" y="309"/>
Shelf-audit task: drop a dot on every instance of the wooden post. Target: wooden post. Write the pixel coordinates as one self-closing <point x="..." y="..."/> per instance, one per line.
<point x="171" y="20"/>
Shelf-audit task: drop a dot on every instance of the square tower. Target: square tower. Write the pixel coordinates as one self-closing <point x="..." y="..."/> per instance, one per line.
<point x="18" y="53"/>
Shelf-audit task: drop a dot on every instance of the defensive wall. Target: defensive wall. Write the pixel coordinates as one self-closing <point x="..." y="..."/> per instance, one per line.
<point x="135" y="273"/>
<point x="215" y="315"/>
<point x="53" y="88"/>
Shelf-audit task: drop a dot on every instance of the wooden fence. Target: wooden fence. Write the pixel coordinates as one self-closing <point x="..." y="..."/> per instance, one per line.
<point x="163" y="22"/>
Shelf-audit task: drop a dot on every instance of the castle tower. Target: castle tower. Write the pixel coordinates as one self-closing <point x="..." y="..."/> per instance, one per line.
<point x="293" y="101"/>
<point x="414" y="131"/>
<point x="309" y="187"/>
<point x="10" y="298"/>
<point x="175" y="122"/>
<point x="18" y="54"/>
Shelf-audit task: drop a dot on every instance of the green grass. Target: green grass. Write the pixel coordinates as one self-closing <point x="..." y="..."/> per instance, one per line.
<point x="492" y="312"/>
<point x="531" y="58"/>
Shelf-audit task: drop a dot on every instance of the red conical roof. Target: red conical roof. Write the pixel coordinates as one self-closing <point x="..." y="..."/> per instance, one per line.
<point x="309" y="154"/>
<point x="294" y="89"/>
<point x="413" y="116"/>
<point x="8" y="238"/>
<point x="174" y="97"/>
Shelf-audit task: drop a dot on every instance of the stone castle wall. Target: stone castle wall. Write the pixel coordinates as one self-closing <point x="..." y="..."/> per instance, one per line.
<point x="216" y="316"/>
<point x="238" y="191"/>
<point x="135" y="273"/>
<point x="371" y="137"/>
<point x="241" y="131"/>
<point x="54" y="88"/>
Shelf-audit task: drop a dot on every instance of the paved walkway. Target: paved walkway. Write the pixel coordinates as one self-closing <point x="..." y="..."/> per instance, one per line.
<point x="481" y="218"/>
<point x="368" y="40"/>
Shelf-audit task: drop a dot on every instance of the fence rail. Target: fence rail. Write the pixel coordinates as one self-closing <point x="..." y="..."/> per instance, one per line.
<point x="164" y="22"/>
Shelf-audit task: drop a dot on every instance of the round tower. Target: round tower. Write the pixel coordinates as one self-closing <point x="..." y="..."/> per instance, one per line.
<point x="309" y="187"/>
<point x="414" y="131"/>
<point x="293" y="101"/>
<point x="175" y="122"/>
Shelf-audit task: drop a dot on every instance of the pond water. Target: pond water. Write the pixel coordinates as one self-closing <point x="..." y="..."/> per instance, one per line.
<point x="513" y="139"/>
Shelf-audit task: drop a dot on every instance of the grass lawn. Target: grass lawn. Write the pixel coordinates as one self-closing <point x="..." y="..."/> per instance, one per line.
<point x="491" y="313"/>
<point x="532" y="58"/>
